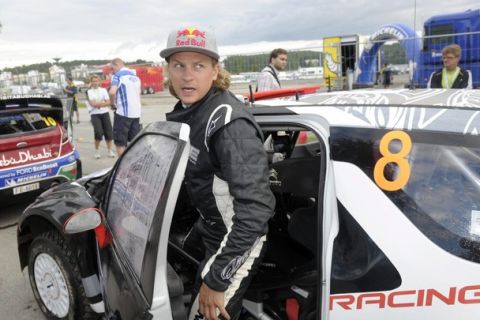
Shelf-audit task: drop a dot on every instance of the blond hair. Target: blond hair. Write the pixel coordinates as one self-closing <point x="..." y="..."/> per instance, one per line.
<point x="222" y="82"/>
<point x="452" y="49"/>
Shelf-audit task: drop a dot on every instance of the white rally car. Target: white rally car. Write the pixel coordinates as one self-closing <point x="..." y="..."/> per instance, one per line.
<point x="377" y="217"/>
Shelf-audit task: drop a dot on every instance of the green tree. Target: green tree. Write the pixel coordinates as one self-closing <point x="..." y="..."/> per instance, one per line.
<point x="394" y="54"/>
<point x="253" y="63"/>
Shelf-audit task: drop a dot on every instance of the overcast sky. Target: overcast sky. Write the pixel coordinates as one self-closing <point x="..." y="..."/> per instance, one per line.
<point x="35" y="31"/>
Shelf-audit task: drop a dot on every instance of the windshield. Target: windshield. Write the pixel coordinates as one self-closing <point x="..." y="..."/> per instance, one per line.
<point x="440" y="35"/>
<point x="25" y="122"/>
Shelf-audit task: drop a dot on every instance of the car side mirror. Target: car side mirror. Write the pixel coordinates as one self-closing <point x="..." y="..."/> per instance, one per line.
<point x="83" y="220"/>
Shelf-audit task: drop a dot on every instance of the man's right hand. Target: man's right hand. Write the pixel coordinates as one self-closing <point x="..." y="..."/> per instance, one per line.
<point x="209" y="301"/>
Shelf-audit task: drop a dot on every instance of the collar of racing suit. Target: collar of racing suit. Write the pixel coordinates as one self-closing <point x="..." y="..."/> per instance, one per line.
<point x="181" y="113"/>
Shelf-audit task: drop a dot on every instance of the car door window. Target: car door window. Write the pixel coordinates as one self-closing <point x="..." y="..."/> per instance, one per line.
<point x="444" y="196"/>
<point x="137" y="188"/>
<point x="441" y="196"/>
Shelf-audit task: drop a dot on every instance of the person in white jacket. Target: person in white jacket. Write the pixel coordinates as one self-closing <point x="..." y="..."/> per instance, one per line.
<point x="98" y="103"/>
<point x="268" y="78"/>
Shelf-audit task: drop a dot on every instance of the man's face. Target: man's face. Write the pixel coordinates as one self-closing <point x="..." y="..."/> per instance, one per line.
<point x="280" y="62"/>
<point x="450" y="62"/>
<point x="191" y="75"/>
<point x="115" y="68"/>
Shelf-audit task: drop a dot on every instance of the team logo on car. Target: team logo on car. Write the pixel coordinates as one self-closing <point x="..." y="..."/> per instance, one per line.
<point x="23" y="157"/>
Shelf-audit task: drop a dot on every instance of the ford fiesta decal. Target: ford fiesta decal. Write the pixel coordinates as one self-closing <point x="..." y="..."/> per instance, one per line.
<point x="38" y="171"/>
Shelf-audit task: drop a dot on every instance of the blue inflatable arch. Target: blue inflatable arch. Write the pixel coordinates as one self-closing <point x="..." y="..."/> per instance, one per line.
<point x="368" y="60"/>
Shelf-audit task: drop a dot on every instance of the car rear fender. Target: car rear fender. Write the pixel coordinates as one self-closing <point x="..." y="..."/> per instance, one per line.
<point x="83" y="249"/>
<point x="50" y="211"/>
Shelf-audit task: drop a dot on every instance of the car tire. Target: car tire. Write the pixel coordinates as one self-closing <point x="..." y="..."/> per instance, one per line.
<point x="151" y="91"/>
<point x="55" y="279"/>
<point x="145" y="91"/>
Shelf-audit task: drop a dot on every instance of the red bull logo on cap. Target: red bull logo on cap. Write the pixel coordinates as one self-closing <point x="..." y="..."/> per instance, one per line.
<point x="190" y="37"/>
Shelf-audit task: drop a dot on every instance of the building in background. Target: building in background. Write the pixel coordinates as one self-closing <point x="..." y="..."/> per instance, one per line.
<point x="6" y="79"/>
<point x="57" y="74"/>
<point x="35" y="78"/>
<point x="83" y="71"/>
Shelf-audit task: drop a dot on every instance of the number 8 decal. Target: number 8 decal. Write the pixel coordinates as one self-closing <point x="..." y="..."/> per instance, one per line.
<point x="403" y="173"/>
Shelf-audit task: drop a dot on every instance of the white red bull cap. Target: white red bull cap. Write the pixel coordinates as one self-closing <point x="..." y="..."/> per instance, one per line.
<point x="191" y="39"/>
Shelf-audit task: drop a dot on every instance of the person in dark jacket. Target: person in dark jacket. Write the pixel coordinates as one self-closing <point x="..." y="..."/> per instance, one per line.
<point x="386" y="75"/>
<point x="226" y="176"/>
<point x="71" y="90"/>
<point x="451" y="76"/>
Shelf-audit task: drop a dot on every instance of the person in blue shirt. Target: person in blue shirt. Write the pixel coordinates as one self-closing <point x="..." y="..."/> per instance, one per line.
<point x="125" y="94"/>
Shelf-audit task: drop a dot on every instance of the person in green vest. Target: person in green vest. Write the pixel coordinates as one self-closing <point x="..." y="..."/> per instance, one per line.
<point x="451" y="76"/>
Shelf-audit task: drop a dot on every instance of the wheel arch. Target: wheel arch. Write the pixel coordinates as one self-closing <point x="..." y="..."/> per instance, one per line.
<point x="83" y="244"/>
<point x="29" y="229"/>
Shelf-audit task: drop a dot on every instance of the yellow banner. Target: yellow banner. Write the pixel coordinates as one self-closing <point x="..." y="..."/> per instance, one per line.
<point x="331" y="50"/>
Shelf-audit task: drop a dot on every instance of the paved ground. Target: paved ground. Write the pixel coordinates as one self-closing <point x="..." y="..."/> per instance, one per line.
<point x="16" y="297"/>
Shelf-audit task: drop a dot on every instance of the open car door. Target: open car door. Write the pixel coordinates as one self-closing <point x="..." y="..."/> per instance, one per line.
<point x="138" y="210"/>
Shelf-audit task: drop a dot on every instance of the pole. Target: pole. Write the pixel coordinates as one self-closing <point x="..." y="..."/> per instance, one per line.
<point x="252" y="98"/>
<point x="412" y="82"/>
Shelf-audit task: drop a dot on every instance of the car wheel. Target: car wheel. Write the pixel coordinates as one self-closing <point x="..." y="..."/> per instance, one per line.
<point x="55" y="279"/>
<point x="151" y="91"/>
<point x="145" y="91"/>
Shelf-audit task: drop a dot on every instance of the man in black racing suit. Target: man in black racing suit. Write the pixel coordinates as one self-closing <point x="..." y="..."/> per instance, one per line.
<point x="227" y="172"/>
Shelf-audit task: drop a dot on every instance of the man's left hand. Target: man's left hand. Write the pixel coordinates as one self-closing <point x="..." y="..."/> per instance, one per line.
<point x="209" y="301"/>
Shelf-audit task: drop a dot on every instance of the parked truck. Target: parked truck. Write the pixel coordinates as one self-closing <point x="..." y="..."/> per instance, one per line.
<point x="439" y="31"/>
<point x="151" y="77"/>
